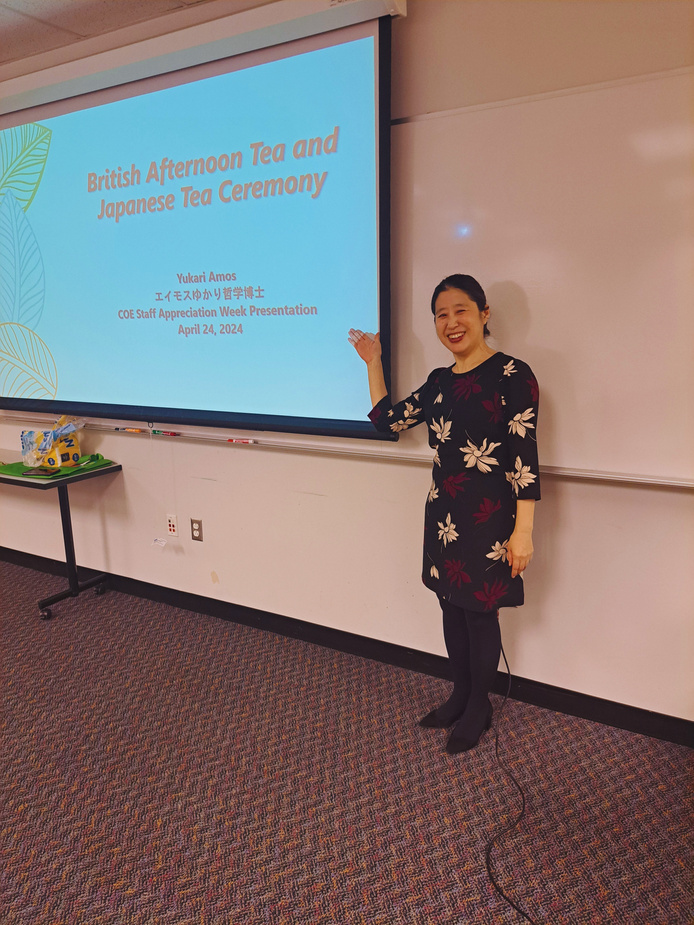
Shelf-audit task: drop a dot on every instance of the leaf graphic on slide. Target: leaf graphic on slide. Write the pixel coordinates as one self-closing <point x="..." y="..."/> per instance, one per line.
<point x="27" y="367"/>
<point x="22" y="283"/>
<point x="23" y="154"/>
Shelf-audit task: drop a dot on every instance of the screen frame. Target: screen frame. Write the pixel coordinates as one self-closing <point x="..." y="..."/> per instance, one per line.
<point x="362" y="429"/>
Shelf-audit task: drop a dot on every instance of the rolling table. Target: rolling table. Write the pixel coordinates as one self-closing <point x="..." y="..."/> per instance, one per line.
<point x="61" y="482"/>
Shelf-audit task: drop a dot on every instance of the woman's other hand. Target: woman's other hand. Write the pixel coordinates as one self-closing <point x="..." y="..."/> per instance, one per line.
<point x="368" y="346"/>
<point x="519" y="551"/>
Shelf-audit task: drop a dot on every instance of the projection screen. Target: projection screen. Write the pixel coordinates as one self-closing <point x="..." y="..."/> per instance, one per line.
<point x="194" y="247"/>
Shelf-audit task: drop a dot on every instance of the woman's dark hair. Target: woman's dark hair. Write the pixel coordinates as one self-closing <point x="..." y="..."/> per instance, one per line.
<point x="466" y="284"/>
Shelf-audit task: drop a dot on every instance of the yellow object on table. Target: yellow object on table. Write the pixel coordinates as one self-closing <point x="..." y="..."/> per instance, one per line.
<point x="52" y="448"/>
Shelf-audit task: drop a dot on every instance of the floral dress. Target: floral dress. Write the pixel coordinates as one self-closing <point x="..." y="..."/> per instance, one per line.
<point x="482" y="425"/>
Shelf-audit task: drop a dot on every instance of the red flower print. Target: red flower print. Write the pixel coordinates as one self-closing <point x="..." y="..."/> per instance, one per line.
<point x="495" y="408"/>
<point x="465" y="386"/>
<point x="375" y="414"/>
<point x="487" y="508"/>
<point x="490" y="596"/>
<point x="454" y="483"/>
<point x="455" y="573"/>
<point x="534" y="389"/>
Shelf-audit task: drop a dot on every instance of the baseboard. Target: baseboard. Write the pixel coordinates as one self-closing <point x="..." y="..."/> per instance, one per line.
<point x="632" y="719"/>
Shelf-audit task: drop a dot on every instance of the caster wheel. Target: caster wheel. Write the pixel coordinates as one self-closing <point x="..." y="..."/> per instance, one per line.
<point x="99" y="589"/>
<point x="46" y="614"/>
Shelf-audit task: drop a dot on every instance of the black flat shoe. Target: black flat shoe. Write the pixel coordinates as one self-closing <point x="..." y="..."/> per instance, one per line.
<point x="433" y="721"/>
<point x="458" y="743"/>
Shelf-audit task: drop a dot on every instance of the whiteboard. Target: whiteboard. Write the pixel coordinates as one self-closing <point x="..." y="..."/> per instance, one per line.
<point x="575" y="212"/>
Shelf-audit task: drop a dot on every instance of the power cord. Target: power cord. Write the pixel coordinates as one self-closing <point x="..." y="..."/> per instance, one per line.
<point x="505" y="829"/>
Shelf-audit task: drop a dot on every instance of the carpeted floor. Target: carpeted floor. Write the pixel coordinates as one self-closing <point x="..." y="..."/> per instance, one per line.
<point x="158" y="766"/>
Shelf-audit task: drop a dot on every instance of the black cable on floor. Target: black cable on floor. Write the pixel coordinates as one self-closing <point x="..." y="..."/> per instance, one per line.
<point x="506" y="829"/>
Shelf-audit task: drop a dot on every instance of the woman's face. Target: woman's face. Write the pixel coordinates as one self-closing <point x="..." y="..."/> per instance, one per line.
<point x="459" y="322"/>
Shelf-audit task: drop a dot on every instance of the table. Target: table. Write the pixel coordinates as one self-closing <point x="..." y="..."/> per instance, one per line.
<point x="75" y="586"/>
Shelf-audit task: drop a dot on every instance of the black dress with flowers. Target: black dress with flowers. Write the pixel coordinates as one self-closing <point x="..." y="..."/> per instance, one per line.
<point x="482" y="425"/>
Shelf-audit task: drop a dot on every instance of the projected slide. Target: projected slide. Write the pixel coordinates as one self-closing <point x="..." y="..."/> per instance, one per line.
<point x="205" y="246"/>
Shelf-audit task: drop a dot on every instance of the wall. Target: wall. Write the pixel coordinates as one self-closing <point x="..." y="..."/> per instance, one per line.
<point x="570" y="206"/>
<point x="336" y="540"/>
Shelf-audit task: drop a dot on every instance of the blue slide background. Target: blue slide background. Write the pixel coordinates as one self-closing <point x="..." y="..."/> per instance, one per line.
<point x="320" y="252"/>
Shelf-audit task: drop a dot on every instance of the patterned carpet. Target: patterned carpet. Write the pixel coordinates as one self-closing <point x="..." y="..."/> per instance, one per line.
<point x="158" y="766"/>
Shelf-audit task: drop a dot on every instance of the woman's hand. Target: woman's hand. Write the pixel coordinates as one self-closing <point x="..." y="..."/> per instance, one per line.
<point x="519" y="552"/>
<point x="368" y="346"/>
<point x="519" y="549"/>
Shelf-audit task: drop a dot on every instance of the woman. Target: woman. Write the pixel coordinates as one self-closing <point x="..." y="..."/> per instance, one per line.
<point x="481" y="413"/>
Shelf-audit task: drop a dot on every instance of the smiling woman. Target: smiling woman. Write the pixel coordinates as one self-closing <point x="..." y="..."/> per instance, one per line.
<point x="481" y="415"/>
<point x="461" y="320"/>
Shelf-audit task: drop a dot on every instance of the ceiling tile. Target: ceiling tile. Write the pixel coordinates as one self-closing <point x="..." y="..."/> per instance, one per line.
<point x="22" y="37"/>
<point x="93" y="17"/>
<point x="33" y="27"/>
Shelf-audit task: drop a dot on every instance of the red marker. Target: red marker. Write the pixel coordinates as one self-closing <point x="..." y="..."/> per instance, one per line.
<point x="235" y="440"/>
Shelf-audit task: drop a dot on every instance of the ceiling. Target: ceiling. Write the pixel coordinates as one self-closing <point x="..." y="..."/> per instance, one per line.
<point x="32" y="27"/>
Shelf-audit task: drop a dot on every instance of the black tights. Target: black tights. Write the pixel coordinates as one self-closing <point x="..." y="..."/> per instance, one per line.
<point x="473" y="642"/>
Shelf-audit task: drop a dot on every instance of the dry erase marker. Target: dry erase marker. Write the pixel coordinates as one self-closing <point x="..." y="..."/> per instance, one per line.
<point x="167" y="433"/>
<point x="234" y="440"/>
<point x="131" y="430"/>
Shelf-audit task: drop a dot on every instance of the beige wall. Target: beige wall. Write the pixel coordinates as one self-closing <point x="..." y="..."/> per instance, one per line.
<point x="335" y="540"/>
<point x="452" y="53"/>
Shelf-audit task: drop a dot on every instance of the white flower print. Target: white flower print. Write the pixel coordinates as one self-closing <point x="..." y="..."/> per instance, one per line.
<point x="390" y="413"/>
<point x="521" y="423"/>
<point x="447" y="533"/>
<point x="442" y="430"/>
<point x="522" y="477"/>
<point x="437" y="458"/>
<point x="480" y="456"/>
<point x="415" y="395"/>
<point x="438" y="399"/>
<point x="410" y="410"/>
<point x="434" y="572"/>
<point x="433" y="492"/>
<point x="509" y="369"/>
<point x="401" y="425"/>
<point x="499" y="551"/>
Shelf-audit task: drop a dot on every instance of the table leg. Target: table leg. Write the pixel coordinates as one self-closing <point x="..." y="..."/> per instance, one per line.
<point x="74" y="584"/>
<point x="70" y="560"/>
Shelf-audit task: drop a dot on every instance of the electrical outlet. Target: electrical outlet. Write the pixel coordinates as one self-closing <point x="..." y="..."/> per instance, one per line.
<point x="196" y="529"/>
<point x="172" y="525"/>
